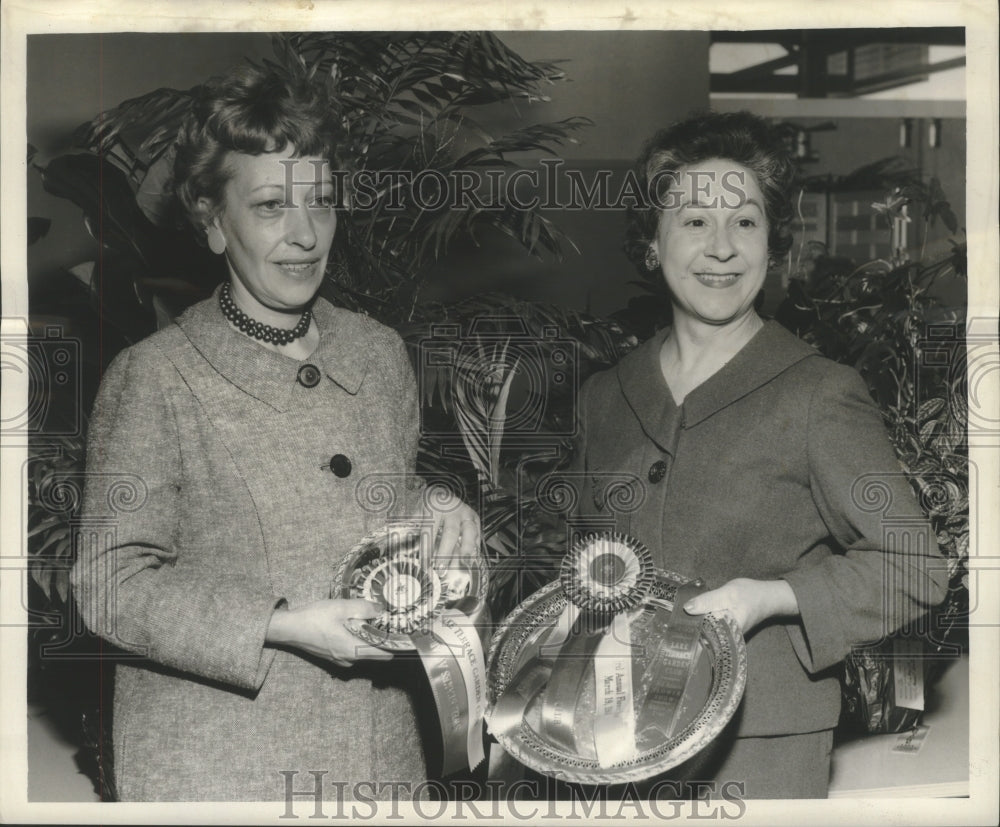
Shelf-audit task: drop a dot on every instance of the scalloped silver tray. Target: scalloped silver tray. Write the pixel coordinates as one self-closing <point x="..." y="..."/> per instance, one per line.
<point x="713" y="693"/>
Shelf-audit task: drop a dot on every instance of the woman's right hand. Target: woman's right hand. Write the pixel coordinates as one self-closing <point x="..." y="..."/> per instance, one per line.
<point x="318" y="629"/>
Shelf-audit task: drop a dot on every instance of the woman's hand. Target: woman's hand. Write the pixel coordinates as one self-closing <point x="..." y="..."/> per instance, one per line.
<point x="456" y="525"/>
<point x="318" y="629"/>
<point x="751" y="602"/>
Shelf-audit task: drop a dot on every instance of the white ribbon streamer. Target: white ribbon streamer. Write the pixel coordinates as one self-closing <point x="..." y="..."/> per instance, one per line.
<point x="614" y="715"/>
<point x="451" y="629"/>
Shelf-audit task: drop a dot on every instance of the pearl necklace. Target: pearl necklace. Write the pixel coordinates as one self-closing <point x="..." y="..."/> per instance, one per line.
<point x="259" y="330"/>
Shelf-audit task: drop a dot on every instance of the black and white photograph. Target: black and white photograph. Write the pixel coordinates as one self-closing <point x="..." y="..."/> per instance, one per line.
<point x="503" y="413"/>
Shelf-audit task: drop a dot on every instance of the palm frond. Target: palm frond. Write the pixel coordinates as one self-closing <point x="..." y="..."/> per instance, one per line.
<point x="134" y="134"/>
<point x="498" y="417"/>
<point x="405" y="101"/>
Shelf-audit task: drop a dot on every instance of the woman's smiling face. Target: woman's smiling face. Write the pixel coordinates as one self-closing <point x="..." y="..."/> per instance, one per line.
<point x="712" y="241"/>
<point x="278" y="221"/>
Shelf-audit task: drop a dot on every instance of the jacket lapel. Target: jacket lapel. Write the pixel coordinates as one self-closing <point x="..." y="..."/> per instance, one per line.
<point x="769" y="353"/>
<point x="648" y="396"/>
<point x="345" y="344"/>
<point x="269" y="377"/>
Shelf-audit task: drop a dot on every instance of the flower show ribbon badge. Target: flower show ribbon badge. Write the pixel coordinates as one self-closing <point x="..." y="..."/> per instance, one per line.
<point x="437" y="619"/>
<point x="605" y="578"/>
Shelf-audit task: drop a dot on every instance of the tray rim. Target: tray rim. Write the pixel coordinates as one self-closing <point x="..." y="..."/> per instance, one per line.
<point x="689" y="741"/>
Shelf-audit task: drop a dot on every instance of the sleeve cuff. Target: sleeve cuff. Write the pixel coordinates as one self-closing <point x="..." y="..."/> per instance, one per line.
<point x="267" y="653"/>
<point x="817" y="638"/>
<point x="232" y="652"/>
<point x="251" y="659"/>
<point x="413" y="495"/>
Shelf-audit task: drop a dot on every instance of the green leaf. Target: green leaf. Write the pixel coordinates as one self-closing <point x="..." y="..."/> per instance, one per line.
<point x="498" y="417"/>
<point x="51" y="542"/>
<point x="415" y="108"/>
<point x="48" y="523"/>
<point x="948" y="441"/>
<point x="61" y="579"/>
<point x="930" y="408"/>
<point x="426" y="98"/>
<point x="42" y="575"/>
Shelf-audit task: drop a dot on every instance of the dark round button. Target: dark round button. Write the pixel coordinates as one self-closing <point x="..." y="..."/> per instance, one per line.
<point x="340" y="465"/>
<point x="607" y="569"/>
<point x="657" y="471"/>
<point x="309" y="376"/>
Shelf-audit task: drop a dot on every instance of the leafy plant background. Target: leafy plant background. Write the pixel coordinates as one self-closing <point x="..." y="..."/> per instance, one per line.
<point x="407" y="101"/>
<point x="883" y="317"/>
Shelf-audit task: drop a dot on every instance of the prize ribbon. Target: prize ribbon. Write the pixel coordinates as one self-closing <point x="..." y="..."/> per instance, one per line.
<point x="434" y="615"/>
<point x="606" y="579"/>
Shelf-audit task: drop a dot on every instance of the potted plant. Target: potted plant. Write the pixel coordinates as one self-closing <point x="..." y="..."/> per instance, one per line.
<point x="886" y="318"/>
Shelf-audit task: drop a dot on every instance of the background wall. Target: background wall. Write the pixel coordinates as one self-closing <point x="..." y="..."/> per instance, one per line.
<point x="628" y="83"/>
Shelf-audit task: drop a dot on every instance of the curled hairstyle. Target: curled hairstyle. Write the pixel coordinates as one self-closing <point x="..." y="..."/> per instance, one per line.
<point x="249" y="110"/>
<point x="736" y="136"/>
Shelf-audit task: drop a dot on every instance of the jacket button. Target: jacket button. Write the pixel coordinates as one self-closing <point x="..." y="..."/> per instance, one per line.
<point x="657" y="471"/>
<point x="309" y="376"/>
<point x="340" y="465"/>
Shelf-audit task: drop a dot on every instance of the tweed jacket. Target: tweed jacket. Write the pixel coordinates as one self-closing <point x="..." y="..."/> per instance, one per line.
<point x="778" y="466"/>
<point x="212" y="499"/>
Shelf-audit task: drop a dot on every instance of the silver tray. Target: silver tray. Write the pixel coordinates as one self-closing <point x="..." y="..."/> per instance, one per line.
<point x="389" y="567"/>
<point x="711" y="697"/>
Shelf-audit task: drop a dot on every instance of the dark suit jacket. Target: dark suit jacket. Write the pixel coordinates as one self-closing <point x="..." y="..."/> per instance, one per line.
<point x="778" y="466"/>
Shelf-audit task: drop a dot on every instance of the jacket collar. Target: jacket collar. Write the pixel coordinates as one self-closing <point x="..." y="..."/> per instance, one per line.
<point x="770" y="352"/>
<point x="342" y="353"/>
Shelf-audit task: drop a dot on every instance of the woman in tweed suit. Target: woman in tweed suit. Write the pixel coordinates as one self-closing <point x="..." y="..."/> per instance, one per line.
<point x="766" y="468"/>
<point x="244" y="432"/>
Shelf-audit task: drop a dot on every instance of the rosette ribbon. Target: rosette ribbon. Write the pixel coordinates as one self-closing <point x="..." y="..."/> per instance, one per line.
<point x="606" y="580"/>
<point x="436" y="613"/>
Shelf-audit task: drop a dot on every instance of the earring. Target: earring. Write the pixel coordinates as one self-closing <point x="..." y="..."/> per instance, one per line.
<point x="216" y="240"/>
<point x="652" y="259"/>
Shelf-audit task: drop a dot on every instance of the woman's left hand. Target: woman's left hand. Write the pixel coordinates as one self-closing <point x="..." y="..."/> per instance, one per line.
<point x="456" y="525"/>
<point x="750" y="602"/>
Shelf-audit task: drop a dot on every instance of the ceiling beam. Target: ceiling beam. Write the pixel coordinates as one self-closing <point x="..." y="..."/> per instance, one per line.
<point x="902" y="77"/>
<point x="766" y="68"/>
<point x="845" y="38"/>
<point x="811" y="53"/>
<point x="724" y="83"/>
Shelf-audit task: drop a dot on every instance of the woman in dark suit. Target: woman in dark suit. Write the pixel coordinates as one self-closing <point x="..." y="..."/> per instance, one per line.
<point x="766" y="467"/>
<point x="242" y="432"/>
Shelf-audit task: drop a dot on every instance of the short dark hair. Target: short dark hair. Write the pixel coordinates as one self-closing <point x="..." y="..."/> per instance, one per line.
<point x="736" y="136"/>
<point x="250" y="110"/>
